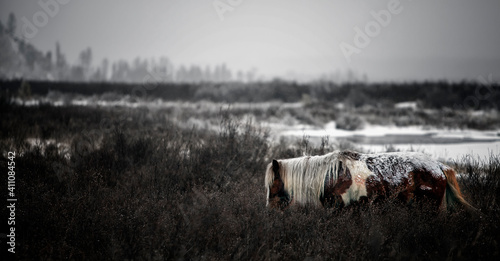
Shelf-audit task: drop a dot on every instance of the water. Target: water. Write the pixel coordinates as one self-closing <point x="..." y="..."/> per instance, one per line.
<point x="451" y="152"/>
<point x="445" y="144"/>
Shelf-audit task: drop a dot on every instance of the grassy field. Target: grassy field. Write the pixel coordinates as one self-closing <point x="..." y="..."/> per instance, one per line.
<point x="123" y="184"/>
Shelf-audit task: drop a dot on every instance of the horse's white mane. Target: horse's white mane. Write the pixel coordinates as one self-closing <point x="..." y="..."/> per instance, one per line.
<point x="304" y="177"/>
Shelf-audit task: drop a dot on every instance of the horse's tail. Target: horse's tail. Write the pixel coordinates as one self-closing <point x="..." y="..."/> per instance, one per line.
<point x="452" y="193"/>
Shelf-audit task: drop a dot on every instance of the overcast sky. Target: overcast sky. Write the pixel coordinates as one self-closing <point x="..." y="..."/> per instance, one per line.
<point x="448" y="39"/>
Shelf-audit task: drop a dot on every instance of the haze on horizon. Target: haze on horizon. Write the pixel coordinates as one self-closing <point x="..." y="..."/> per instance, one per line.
<point x="421" y="40"/>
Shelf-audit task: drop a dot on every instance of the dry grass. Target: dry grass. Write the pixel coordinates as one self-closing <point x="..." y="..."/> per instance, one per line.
<point x="139" y="187"/>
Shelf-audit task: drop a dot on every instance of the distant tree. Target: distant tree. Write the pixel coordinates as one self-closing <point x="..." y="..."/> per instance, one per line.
<point x="226" y="74"/>
<point x="251" y="75"/>
<point x="96" y="76"/>
<point x="10" y="62"/>
<point x="31" y="55"/>
<point x="350" y="76"/>
<point x="47" y="63"/>
<point x="120" y="71"/>
<point x="60" y="60"/>
<point x="104" y="69"/>
<point x="357" y="97"/>
<point x="77" y="73"/>
<point x="61" y="64"/>
<point x="11" y="24"/>
<point x="207" y="74"/>
<point x="85" y="59"/>
<point x="181" y="75"/>
<point x="48" y="56"/>
<point x="163" y="71"/>
<point x="195" y="74"/>
<point x="218" y="74"/>
<point x="138" y="70"/>
<point x="240" y="77"/>
<point x="24" y="91"/>
<point x="101" y="73"/>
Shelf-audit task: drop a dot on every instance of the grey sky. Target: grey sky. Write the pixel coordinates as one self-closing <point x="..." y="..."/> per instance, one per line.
<point x="449" y="39"/>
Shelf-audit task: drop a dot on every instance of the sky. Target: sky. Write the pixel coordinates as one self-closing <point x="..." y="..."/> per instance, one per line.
<point x="385" y="40"/>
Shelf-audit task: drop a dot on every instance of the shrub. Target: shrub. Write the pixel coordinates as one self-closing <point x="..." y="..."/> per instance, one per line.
<point x="349" y="122"/>
<point x="176" y="193"/>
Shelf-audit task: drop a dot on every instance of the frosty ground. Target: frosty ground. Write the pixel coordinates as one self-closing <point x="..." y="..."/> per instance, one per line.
<point x="157" y="179"/>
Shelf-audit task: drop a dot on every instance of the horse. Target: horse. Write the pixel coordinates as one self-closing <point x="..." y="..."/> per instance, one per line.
<point x="341" y="178"/>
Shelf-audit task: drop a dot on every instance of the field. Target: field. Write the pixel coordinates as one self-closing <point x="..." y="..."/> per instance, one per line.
<point x="184" y="180"/>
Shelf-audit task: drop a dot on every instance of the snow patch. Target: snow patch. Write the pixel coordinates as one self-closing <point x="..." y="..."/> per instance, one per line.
<point x="412" y="105"/>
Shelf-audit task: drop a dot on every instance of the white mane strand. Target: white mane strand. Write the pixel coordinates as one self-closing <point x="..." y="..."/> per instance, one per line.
<point x="304" y="177"/>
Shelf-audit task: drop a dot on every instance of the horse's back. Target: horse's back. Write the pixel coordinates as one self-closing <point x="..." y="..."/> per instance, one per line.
<point x="406" y="176"/>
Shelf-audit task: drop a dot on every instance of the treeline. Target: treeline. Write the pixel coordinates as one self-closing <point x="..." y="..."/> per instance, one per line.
<point x="19" y="58"/>
<point x="465" y="95"/>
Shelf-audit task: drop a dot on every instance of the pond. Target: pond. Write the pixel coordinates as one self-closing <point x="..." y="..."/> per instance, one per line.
<point x="445" y="144"/>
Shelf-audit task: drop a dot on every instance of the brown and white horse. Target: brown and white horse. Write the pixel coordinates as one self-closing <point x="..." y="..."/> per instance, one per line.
<point x="341" y="178"/>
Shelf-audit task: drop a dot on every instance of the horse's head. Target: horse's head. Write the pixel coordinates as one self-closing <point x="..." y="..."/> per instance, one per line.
<point x="277" y="197"/>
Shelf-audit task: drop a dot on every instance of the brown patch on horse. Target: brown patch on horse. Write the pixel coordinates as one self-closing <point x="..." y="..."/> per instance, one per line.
<point x="278" y="198"/>
<point x="276" y="187"/>
<point x="416" y="185"/>
<point x="278" y="184"/>
<point x="428" y="186"/>
<point x="405" y="190"/>
<point x="344" y="180"/>
<point x="388" y="180"/>
<point x="334" y="189"/>
<point x="375" y="190"/>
